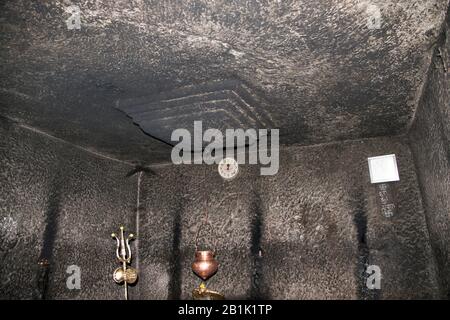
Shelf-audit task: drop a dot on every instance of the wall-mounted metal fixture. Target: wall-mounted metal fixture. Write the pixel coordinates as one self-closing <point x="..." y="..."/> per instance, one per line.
<point x="124" y="274"/>
<point x="205" y="264"/>
<point x="384" y="172"/>
<point x="202" y="293"/>
<point x="42" y="278"/>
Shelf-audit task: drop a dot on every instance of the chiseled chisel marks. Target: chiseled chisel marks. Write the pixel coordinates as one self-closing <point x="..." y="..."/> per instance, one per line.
<point x="219" y="104"/>
<point x="325" y="75"/>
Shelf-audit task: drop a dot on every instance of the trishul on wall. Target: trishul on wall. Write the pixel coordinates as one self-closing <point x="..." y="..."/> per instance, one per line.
<point x="124" y="274"/>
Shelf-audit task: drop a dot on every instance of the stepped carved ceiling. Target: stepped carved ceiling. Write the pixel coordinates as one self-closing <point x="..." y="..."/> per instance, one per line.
<point x="136" y="70"/>
<point x="220" y="105"/>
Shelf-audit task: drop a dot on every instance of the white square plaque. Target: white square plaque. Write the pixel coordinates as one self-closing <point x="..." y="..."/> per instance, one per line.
<point x="383" y="169"/>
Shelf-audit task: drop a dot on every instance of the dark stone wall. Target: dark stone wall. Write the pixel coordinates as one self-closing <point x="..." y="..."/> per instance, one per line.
<point x="60" y="204"/>
<point x="430" y="144"/>
<point x="306" y="233"/>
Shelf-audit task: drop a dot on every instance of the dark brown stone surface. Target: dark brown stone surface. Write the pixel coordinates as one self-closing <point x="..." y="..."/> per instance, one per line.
<point x="306" y="233"/>
<point x="324" y="74"/>
<point x="60" y="204"/>
<point x="315" y="71"/>
<point x="430" y="143"/>
<point x="309" y="232"/>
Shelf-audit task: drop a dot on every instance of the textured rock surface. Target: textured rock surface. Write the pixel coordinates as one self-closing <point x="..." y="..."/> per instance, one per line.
<point x="324" y="73"/>
<point x="60" y="204"/>
<point x="306" y="233"/>
<point x="309" y="232"/>
<point x="430" y="143"/>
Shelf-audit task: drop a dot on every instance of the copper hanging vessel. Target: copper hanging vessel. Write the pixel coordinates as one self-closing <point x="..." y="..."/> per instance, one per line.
<point x="205" y="265"/>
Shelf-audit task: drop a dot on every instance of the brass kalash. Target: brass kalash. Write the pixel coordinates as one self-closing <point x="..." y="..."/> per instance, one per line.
<point x="124" y="274"/>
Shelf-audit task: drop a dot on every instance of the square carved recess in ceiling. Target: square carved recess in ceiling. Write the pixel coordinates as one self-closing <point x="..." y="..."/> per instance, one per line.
<point x="221" y="105"/>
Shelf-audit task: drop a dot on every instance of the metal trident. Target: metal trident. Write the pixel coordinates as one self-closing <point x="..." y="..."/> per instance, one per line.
<point x="123" y="246"/>
<point x="123" y="253"/>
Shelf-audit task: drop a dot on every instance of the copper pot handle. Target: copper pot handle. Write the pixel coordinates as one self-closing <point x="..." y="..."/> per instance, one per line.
<point x="198" y="235"/>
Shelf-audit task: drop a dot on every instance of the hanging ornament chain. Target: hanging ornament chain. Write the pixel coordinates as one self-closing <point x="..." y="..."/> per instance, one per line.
<point x="205" y="221"/>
